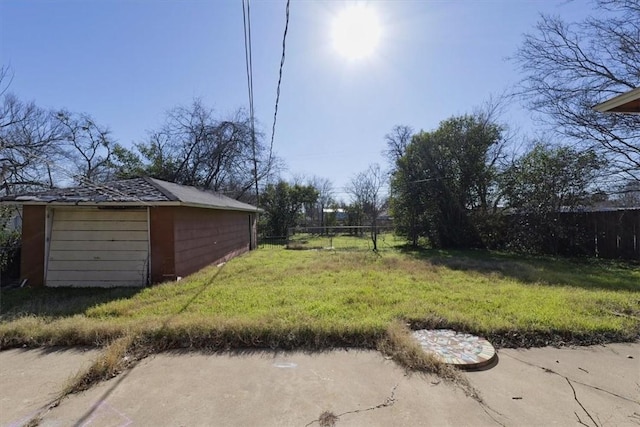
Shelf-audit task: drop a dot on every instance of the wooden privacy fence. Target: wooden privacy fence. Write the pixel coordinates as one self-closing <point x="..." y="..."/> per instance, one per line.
<point x="612" y="233"/>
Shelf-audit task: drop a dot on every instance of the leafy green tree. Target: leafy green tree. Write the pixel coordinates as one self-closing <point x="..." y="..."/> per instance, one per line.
<point x="446" y="180"/>
<point x="283" y="204"/>
<point x="540" y="186"/>
<point x="9" y="239"/>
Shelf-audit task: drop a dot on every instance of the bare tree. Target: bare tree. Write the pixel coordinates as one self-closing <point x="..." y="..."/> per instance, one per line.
<point x="397" y="141"/>
<point x="41" y="149"/>
<point x="196" y="148"/>
<point x="6" y="77"/>
<point x="324" y="187"/>
<point x="86" y="145"/>
<point x="28" y="146"/>
<point x="366" y="194"/>
<point x="570" y="67"/>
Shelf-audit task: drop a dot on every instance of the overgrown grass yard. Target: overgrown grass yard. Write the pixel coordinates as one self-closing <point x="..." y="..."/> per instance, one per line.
<point x="275" y="297"/>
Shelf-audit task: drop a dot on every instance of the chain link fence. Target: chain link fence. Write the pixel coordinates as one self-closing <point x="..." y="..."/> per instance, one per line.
<point x="335" y="238"/>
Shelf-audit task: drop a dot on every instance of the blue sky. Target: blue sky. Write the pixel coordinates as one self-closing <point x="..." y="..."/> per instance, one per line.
<point x="127" y="62"/>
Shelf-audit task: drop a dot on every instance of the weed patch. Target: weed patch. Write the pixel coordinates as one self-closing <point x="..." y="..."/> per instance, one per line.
<point x="114" y="358"/>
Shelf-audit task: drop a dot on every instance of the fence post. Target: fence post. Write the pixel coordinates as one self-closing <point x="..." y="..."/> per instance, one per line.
<point x="595" y="221"/>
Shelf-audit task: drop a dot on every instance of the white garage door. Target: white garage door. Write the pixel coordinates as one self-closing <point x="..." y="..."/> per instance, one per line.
<point x="98" y="247"/>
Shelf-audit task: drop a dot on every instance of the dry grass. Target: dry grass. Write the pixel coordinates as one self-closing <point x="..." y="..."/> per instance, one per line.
<point x="400" y="346"/>
<point x="113" y="359"/>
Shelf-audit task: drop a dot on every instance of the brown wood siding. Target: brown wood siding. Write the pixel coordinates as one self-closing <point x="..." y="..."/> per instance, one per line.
<point x="162" y="244"/>
<point x="32" y="256"/>
<point x="206" y="236"/>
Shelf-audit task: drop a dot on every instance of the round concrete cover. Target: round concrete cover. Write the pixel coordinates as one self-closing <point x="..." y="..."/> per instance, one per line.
<point x="463" y="350"/>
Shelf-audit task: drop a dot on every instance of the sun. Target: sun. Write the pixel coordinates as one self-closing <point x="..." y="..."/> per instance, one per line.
<point x="356" y="32"/>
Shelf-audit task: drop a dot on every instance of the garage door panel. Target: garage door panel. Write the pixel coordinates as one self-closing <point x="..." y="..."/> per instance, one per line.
<point x="95" y="255"/>
<point x="99" y="225"/>
<point x="96" y="246"/>
<point x="96" y="275"/>
<point x="101" y="235"/>
<point x="100" y="215"/>
<point x="92" y="265"/>
<point x="93" y="284"/>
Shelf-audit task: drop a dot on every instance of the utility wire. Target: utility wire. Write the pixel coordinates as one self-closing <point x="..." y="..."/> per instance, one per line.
<point x="284" y="48"/>
<point x="246" y="20"/>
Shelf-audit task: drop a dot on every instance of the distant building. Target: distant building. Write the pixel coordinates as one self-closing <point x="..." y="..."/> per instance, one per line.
<point x="338" y="214"/>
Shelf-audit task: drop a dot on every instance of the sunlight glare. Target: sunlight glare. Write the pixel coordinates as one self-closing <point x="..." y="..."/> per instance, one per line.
<point x="356" y="32"/>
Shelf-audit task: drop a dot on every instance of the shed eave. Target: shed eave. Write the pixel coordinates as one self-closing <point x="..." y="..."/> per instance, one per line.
<point x="127" y="204"/>
<point x="220" y="208"/>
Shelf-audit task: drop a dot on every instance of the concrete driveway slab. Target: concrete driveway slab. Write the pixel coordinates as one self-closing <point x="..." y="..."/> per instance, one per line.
<point x="269" y="389"/>
<point x="31" y="378"/>
<point x="591" y="386"/>
<point x="537" y="386"/>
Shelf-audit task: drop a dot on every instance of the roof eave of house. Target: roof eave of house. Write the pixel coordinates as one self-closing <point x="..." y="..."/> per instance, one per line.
<point x="619" y="101"/>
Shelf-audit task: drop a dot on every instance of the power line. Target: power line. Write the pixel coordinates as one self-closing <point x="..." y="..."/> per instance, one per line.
<point x="284" y="47"/>
<point x="246" y="21"/>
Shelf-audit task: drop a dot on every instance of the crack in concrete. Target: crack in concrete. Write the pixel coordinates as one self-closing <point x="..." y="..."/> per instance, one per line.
<point x="389" y="401"/>
<point x="579" y="420"/>
<point x="484" y="407"/>
<point x="551" y="371"/>
<point x="575" y="397"/>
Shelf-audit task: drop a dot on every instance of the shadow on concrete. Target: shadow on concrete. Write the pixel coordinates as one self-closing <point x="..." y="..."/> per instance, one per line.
<point x="121" y="377"/>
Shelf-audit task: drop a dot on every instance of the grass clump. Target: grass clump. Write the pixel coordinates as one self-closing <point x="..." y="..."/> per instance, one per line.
<point x="114" y="358"/>
<point x="400" y="346"/>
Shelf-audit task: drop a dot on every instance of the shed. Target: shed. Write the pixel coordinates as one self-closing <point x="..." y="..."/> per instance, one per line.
<point x="131" y="232"/>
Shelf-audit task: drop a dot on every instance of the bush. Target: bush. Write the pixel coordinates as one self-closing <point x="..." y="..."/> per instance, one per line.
<point x="10" y="253"/>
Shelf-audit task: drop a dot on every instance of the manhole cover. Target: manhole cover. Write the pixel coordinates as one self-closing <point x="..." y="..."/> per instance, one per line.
<point x="463" y="350"/>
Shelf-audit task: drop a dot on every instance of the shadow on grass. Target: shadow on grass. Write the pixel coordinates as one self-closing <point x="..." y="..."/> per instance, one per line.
<point x="57" y="302"/>
<point x="545" y="270"/>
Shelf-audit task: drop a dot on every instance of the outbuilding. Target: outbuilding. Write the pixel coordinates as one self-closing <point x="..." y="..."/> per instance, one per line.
<point x="131" y="232"/>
